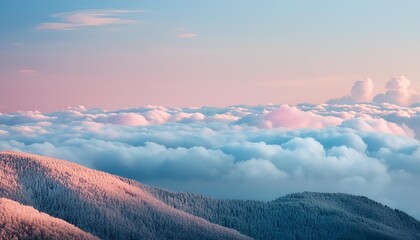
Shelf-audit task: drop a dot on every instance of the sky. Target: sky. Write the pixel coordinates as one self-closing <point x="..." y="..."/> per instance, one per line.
<point x="232" y="99"/>
<point x="115" y="54"/>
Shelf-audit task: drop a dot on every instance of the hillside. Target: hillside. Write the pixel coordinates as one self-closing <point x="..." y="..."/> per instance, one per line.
<point x="111" y="207"/>
<point x="300" y="216"/>
<point x="96" y="202"/>
<point x="23" y="222"/>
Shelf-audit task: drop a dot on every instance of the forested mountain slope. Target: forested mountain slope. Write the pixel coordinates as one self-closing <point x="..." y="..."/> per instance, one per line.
<point x="23" y="222"/>
<point x="111" y="207"/>
<point x="97" y="202"/>
<point x="300" y="216"/>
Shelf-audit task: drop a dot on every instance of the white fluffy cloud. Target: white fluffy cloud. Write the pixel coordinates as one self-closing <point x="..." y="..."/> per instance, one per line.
<point x="129" y="119"/>
<point x="399" y="91"/>
<point x="238" y="151"/>
<point x="294" y="118"/>
<point x="361" y="92"/>
<point x="369" y="124"/>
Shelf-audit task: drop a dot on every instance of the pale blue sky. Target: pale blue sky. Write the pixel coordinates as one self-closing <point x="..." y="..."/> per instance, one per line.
<point x="201" y="52"/>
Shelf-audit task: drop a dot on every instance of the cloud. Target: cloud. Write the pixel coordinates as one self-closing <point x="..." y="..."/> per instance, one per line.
<point x="128" y="119"/>
<point x="256" y="170"/>
<point x="237" y="151"/>
<point x="157" y="116"/>
<point x="187" y="35"/>
<point x="294" y="118"/>
<point x="369" y="124"/>
<point x="86" y="18"/>
<point x="399" y="91"/>
<point x="361" y="92"/>
<point x="183" y="32"/>
<point x="24" y="118"/>
<point x="27" y="72"/>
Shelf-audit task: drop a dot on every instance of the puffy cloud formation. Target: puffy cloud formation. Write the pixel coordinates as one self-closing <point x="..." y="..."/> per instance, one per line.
<point x="399" y="91"/>
<point x="129" y="119"/>
<point x="294" y="118"/>
<point x="361" y="92"/>
<point x="254" y="152"/>
<point x="378" y="125"/>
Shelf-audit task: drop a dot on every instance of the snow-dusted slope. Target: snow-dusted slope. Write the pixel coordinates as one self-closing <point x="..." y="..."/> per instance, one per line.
<point x="23" y="222"/>
<point x="305" y="215"/>
<point x="97" y="202"/>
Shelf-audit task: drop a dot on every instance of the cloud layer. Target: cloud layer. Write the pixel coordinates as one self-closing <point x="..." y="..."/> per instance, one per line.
<point x="240" y="151"/>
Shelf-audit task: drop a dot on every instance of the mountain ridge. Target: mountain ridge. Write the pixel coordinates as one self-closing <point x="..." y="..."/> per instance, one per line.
<point x="329" y="211"/>
<point x="100" y="203"/>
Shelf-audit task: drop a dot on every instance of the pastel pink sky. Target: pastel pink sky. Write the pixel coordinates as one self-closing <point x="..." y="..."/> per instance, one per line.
<point x="122" y="54"/>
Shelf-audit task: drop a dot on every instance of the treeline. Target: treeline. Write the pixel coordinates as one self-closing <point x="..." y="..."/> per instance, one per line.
<point x="300" y="216"/>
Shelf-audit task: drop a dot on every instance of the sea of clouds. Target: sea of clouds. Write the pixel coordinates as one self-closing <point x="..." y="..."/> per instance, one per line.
<point x="354" y="144"/>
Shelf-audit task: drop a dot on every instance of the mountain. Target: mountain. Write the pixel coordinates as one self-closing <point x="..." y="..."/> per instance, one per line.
<point x="23" y="222"/>
<point x="111" y="207"/>
<point x="99" y="203"/>
<point x="305" y="215"/>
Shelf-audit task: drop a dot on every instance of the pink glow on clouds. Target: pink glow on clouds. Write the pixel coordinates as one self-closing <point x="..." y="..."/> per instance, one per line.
<point x="27" y="72"/>
<point x="399" y="91"/>
<point x="369" y="124"/>
<point x="79" y="19"/>
<point x="361" y="92"/>
<point x="187" y="35"/>
<point x="157" y="116"/>
<point x="128" y="119"/>
<point x="294" y="118"/>
<point x="181" y="116"/>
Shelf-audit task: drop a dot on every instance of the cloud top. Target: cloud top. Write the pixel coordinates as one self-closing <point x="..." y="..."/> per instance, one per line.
<point x="294" y="118"/>
<point x="127" y="119"/>
<point x="361" y="92"/>
<point x="399" y="91"/>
